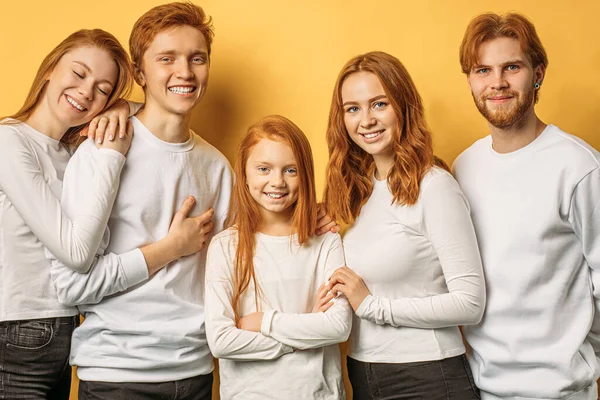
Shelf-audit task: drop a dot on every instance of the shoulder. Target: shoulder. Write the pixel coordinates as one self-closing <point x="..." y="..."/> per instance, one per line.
<point x="11" y="135"/>
<point x="473" y="152"/>
<point x="209" y="151"/>
<point x="438" y="179"/>
<point x="325" y="241"/>
<point x="225" y="237"/>
<point x="572" y="149"/>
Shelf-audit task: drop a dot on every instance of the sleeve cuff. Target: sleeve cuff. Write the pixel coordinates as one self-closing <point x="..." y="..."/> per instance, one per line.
<point x="113" y="154"/>
<point x="265" y="327"/>
<point x="361" y="311"/>
<point x="134" y="266"/>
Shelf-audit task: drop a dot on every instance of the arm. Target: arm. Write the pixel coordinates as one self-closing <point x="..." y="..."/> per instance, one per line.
<point x="73" y="241"/>
<point x="224" y="338"/>
<point x="447" y="224"/>
<point x="584" y="216"/>
<point x="313" y="330"/>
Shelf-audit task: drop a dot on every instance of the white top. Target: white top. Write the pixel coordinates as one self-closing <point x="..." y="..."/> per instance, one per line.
<point x="422" y="266"/>
<point x="31" y="170"/>
<point x="536" y="212"/>
<point x="265" y="365"/>
<point x="152" y="330"/>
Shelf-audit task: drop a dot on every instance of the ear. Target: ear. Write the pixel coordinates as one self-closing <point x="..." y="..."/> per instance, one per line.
<point x="138" y="75"/>
<point x="539" y="73"/>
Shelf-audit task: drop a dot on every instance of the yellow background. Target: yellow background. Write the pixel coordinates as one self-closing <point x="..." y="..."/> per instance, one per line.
<point x="272" y="56"/>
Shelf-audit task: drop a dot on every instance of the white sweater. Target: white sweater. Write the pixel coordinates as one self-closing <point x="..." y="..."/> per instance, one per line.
<point x="422" y="266"/>
<point x="536" y="212"/>
<point x="31" y="170"/>
<point x="265" y="365"/>
<point x="138" y="329"/>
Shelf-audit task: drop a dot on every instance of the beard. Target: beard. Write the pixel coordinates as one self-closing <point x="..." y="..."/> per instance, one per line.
<point x="506" y="116"/>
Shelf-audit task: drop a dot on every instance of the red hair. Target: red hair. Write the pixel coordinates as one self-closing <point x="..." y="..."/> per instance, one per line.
<point x="84" y="37"/>
<point x="245" y="213"/>
<point x="490" y="26"/>
<point x="350" y="169"/>
<point x="164" y="17"/>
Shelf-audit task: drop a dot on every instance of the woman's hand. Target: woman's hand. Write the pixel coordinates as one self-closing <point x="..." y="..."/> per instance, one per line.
<point x="121" y="144"/>
<point x="323" y="299"/>
<point x="251" y="322"/>
<point x="324" y="222"/>
<point x="351" y="285"/>
<point x="108" y="123"/>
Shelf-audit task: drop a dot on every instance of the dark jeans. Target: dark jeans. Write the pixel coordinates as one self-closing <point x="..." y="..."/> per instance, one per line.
<point x="196" y="388"/>
<point x="34" y="358"/>
<point x="445" y="379"/>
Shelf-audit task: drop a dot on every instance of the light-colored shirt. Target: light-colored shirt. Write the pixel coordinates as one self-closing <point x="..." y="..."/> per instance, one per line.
<point x="140" y="329"/>
<point x="536" y="212"/>
<point x="422" y="266"/>
<point x="296" y="353"/>
<point x="31" y="171"/>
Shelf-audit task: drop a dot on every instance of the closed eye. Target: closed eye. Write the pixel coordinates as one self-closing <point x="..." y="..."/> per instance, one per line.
<point x="80" y="76"/>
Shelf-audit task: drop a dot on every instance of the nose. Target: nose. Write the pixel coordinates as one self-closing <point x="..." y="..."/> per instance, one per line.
<point x="277" y="180"/>
<point x="86" y="89"/>
<point x="367" y="119"/>
<point x="499" y="80"/>
<point x="184" y="71"/>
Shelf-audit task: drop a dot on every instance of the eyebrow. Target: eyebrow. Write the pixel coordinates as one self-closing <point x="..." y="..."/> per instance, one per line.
<point x="381" y="96"/>
<point x="88" y="69"/>
<point x="174" y="52"/>
<point x="516" y="61"/>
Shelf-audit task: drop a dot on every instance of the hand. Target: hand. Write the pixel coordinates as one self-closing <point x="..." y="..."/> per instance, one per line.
<point x="323" y="299"/>
<point x="324" y="222"/>
<point x="189" y="235"/>
<point x="106" y="123"/>
<point x="251" y="322"/>
<point x="351" y="285"/>
<point x="122" y="144"/>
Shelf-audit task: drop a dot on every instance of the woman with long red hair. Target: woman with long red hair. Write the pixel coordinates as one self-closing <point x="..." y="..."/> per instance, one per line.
<point x="79" y="78"/>
<point x="269" y="318"/>
<point x="413" y="270"/>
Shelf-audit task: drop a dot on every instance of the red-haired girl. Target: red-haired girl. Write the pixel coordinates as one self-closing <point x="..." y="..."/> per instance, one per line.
<point x="414" y="273"/>
<point x="269" y="319"/>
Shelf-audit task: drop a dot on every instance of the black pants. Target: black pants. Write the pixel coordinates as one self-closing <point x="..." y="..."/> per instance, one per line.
<point x="447" y="379"/>
<point x="196" y="388"/>
<point x="34" y="358"/>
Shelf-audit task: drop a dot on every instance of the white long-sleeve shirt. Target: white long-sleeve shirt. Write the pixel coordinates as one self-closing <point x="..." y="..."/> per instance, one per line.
<point x="138" y="329"/>
<point x="296" y="354"/>
<point x="536" y="212"/>
<point x="422" y="266"/>
<point x="31" y="172"/>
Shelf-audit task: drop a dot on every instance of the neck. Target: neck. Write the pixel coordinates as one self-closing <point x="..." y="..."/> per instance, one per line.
<point x="275" y="224"/>
<point x="383" y="165"/>
<point x="517" y="137"/>
<point x="42" y="120"/>
<point x="168" y="127"/>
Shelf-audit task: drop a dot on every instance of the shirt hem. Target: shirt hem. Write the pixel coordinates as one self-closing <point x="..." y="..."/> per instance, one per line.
<point x="409" y="358"/>
<point x="39" y="315"/>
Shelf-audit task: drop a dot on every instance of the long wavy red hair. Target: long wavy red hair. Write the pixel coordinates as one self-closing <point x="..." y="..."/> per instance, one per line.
<point x="82" y="38"/>
<point x="245" y="213"/>
<point x="350" y="169"/>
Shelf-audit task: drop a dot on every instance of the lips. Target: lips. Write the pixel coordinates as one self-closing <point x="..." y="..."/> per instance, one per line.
<point x="75" y="105"/>
<point x="275" y="195"/>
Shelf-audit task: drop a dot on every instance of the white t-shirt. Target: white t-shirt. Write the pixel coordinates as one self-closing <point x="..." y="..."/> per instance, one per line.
<point x="422" y="266"/>
<point x="138" y="329"/>
<point x="536" y="212"/>
<point x="31" y="171"/>
<point x="296" y="354"/>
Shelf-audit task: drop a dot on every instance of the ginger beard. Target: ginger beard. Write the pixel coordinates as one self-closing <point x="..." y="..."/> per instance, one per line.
<point x="506" y="116"/>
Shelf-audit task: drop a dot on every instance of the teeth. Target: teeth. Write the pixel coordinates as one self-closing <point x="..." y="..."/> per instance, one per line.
<point x="75" y="104"/>
<point x="181" y="89"/>
<point x="371" y="135"/>
<point x="274" y="195"/>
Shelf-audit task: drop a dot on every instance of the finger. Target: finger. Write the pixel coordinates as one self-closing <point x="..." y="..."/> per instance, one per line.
<point x="92" y="128"/>
<point x="101" y="129"/>
<point x="328" y="297"/>
<point x="340" y="288"/>
<point x="84" y="131"/>
<point x="186" y="207"/>
<point x="129" y="128"/>
<point x="325" y="307"/>
<point x="208" y="227"/>
<point x="335" y="229"/>
<point x="324" y="228"/>
<point x="320" y="213"/>
<point x="111" y="129"/>
<point x="122" y="125"/>
<point x="205" y="216"/>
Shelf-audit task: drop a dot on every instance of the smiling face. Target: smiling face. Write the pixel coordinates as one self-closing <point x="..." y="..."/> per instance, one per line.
<point x="79" y="86"/>
<point x="502" y="83"/>
<point x="175" y="70"/>
<point x="368" y="116"/>
<point x="272" y="179"/>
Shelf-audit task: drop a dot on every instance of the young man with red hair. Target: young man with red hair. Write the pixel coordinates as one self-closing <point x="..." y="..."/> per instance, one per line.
<point x="534" y="192"/>
<point x="143" y="335"/>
